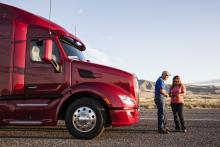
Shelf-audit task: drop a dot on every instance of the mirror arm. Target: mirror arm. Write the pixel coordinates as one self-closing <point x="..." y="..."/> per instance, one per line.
<point x="57" y="67"/>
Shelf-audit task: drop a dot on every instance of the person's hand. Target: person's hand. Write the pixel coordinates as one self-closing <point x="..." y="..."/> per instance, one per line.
<point x="166" y="95"/>
<point x="175" y="95"/>
<point x="178" y="95"/>
<point x="170" y="95"/>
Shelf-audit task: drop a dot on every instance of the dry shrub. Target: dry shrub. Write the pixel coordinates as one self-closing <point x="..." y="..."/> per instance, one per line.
<point x="191" y="101"/>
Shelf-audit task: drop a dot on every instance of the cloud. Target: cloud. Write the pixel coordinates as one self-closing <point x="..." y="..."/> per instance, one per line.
<point x="80" y="11"/>
<point x="99" y="57"/>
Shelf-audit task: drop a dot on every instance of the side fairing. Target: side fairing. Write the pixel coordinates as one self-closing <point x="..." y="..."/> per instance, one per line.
<point x="6" y="50"/>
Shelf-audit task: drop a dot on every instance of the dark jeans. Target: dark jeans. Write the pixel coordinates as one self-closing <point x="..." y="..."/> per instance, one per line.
<point x="177" y="109"/>
<point x="161" y="114"/>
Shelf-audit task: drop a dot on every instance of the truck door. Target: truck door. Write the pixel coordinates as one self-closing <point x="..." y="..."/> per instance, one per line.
<point x="41" y="78"/>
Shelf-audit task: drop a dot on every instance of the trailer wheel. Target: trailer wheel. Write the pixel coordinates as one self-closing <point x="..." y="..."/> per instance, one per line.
<point x="84" y="118"/>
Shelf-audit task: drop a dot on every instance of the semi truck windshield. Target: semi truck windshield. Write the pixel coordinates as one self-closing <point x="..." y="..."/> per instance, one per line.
<point x="70" y="47"/>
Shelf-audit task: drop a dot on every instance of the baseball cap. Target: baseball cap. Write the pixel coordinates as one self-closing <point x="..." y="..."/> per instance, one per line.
<point x="166" y="73"/>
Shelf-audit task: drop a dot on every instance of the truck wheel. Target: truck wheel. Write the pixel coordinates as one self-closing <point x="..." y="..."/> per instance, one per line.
<point x="84" y="119"/>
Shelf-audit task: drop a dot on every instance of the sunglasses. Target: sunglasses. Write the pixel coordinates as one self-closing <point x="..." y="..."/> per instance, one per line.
<point x="175" y="81"/>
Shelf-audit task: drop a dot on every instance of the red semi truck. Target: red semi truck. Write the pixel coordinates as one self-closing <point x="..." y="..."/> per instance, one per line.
<point x="44" y="78"/>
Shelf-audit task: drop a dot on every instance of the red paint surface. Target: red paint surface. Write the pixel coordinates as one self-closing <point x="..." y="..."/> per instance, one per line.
<point x="23" y="81"/>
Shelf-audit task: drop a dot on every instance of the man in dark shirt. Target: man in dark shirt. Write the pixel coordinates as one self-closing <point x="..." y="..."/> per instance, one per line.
<point x="160" y="95"/>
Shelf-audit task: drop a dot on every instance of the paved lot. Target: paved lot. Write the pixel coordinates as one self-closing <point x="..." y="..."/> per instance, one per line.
<point x="203" y="130"/>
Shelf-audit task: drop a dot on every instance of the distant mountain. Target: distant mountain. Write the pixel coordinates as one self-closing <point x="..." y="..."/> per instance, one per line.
<point x="146" y="85"/>
<point x="208" y="88"/>
<point x="215" y="82"/>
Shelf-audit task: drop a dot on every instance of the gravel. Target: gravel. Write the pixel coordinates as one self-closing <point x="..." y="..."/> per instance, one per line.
<point x="203" y="129"/>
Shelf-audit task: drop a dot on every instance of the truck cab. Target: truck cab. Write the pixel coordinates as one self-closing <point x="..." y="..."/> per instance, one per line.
<point x="44" y="77"/>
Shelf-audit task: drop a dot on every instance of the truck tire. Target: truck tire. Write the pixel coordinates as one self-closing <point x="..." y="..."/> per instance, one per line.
<point x="84" y="118"/>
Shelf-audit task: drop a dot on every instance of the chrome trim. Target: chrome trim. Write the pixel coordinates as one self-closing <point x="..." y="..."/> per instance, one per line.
<point x="84" y="119"/>
<point x="32" y="87"/>
<point x="32" y="105"/>
<point x="25" y="122"/>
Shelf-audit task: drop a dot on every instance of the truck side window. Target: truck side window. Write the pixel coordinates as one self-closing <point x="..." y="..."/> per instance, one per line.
<point x="55" y="53"/>
<point x="37" y="51"/>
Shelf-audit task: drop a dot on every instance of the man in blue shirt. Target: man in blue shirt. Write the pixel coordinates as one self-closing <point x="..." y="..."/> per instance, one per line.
<point x="160" y="95"/>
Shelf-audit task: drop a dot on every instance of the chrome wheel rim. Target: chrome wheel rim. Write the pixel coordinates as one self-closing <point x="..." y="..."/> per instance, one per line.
<point x="84" y="119"/>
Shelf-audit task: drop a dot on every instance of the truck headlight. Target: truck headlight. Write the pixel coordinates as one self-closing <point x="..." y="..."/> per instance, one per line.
<point x="127" y="100"/>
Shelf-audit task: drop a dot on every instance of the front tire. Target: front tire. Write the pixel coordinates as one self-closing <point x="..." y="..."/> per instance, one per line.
<point x="84" y="118"/>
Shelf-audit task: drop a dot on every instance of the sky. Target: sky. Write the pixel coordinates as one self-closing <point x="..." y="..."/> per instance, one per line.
<point x="143" y="37"/>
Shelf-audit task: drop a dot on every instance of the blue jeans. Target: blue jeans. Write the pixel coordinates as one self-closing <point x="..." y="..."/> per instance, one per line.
<point x="161" y="114"/>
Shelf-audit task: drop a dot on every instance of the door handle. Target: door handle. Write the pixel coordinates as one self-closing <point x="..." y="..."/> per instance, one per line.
<point x="32" y="87"/>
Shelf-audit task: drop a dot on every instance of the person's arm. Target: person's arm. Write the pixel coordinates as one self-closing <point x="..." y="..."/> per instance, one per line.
<point x="170" y="93"/>
<point x="164" y="93"/>
<point x="183" y="91"/>
<point x="162" y="89"/>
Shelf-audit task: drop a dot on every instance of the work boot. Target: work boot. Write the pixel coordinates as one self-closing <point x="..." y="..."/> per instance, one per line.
<point x="167" y="129"/>
<point x="163" y="131"/>
<point x="177" y="129"/>
<point x="183" y="129"/>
